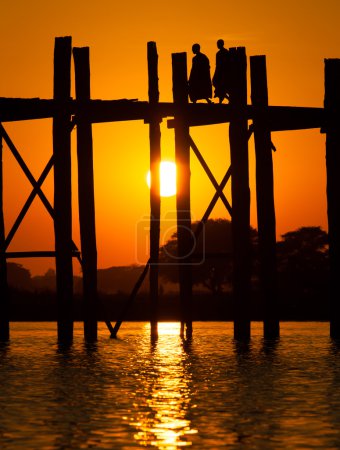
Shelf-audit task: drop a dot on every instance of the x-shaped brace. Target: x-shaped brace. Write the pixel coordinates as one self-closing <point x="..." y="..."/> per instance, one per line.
<point x="219" y="188"/>
<point x="36" y="189"/>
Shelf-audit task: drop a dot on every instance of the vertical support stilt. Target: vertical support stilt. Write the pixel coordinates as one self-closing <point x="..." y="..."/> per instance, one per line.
<point x="238" y="135"/>
<point x="4" y="294"/>
<point x="184" y="232"/>
<point x="332" y="108"/>
<point x="265" y="196"/>
<point x="62" y="187"/>
<point x="86" y="194"/>
<point x="155" y="203"/>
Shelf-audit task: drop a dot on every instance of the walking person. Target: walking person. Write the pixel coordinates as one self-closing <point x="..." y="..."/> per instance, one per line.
<point x="221" y="78"/>
<point x="200" y="87"/>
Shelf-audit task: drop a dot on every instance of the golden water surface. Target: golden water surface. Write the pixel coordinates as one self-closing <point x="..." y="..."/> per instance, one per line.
<point x="209" y="393"/>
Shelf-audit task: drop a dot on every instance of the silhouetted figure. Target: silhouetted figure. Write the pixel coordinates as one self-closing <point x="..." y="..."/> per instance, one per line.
<point x="200" y="87"/>
<point x="221" y="76"/>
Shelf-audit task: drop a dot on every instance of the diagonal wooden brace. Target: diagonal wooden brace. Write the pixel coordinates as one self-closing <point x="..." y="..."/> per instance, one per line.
<point x="213" y="203"/>
<point x="36" y="185"/>
<point x="210" y="175"/>
<point x="28" y="202"/>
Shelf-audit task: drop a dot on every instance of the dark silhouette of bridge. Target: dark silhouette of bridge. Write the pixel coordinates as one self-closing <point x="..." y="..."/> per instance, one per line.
<point x="258" y="119"/>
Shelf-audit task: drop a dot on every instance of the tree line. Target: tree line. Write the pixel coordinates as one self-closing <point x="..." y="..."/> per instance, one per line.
<point x="302" y="263"/>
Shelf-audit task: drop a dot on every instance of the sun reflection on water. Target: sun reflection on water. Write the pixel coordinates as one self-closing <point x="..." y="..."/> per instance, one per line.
<point x="163" y="397"/>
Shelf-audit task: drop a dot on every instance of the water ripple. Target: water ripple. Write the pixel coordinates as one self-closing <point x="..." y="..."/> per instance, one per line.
<point x="209" y="393"/>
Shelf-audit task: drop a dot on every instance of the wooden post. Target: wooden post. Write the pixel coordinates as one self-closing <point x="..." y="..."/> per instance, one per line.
<point x="238" y="135"/>
<point x="332" y="110"/>
<point x="4" y="294"/>
<point x="182" y="149"/>
<point x="62" y="187"/>
<point x="265" y="196"/>
<point x="81" y="58"/>
<point x="155" y="203"/>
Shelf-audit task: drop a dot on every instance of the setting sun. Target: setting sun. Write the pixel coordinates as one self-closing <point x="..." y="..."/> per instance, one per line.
<point x="168" y="178"/>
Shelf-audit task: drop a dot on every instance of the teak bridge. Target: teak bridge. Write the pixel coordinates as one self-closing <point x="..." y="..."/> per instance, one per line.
<point x="83" y="111"/>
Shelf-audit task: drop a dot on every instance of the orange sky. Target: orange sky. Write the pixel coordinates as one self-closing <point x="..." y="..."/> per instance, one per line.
<point x="295" y="36"/>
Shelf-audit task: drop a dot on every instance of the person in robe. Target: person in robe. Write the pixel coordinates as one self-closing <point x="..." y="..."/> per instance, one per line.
<point x="221" y="78"/>
<point x="200" y="87"/>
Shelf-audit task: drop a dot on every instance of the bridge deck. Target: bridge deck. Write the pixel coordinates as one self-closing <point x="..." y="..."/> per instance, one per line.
<point x="279" y="117"/>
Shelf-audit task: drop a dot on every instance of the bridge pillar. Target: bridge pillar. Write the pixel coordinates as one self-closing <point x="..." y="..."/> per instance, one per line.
<point x="62" y="187"/>
<point x="332" y="111"/>
<point x="86" y="203"/>
<point x="265" y="196"/>
<point x="4" y="294"/>
<point x="182" y="150"/>
<point x="238" y="137"/>
<point x="155" y="200"/>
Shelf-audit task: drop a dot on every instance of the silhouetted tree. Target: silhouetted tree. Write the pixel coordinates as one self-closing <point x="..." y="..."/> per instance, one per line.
<point x="19" y="277"/>
<point x="46" y="282"/>
<point x="211" y="258"/>
<point x="302" y="257"/>
<point x="119" y="279"/>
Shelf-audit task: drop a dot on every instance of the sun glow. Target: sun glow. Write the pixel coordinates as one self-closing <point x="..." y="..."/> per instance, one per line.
<point x="164" y="397"/>
<point x="168" y="178"/>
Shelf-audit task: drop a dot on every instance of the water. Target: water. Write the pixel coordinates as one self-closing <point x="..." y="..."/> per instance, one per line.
<point x="208" y="394"/>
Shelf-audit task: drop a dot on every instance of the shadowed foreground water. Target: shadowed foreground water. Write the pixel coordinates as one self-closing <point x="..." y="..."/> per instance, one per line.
<point x="210" y="393"/>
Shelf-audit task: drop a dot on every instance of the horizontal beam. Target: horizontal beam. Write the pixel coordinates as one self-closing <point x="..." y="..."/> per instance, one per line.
<point x="37" y="254"/>
<point x="202" y="256"/>
<point x="99" y="111"/>
<point x="17" y="109"/>
<point x="279" y="118"/>
<point x="282" y="118"/>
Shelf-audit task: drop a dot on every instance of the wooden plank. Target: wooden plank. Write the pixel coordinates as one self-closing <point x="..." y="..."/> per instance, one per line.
<point x="281" y="118"/>
<point x="37" y="254"/>
<point x="4" y="293"/>
<point x="200" y="114"/>
<point x="285" y="118"/>
<point x="182" y="151"/>
<point x="99" y="111"/>
<point x="332" y="108"/>
<point x="86" y="201"/>
<point x="265" y="196"/>
<point x="17" y="109"/>
<point x="62" y="188"/>
<point x="155" y="199"/>
<point x="238" y="136"/>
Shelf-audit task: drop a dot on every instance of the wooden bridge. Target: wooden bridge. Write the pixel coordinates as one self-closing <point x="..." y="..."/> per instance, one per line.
<point x="244" y="120"/>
